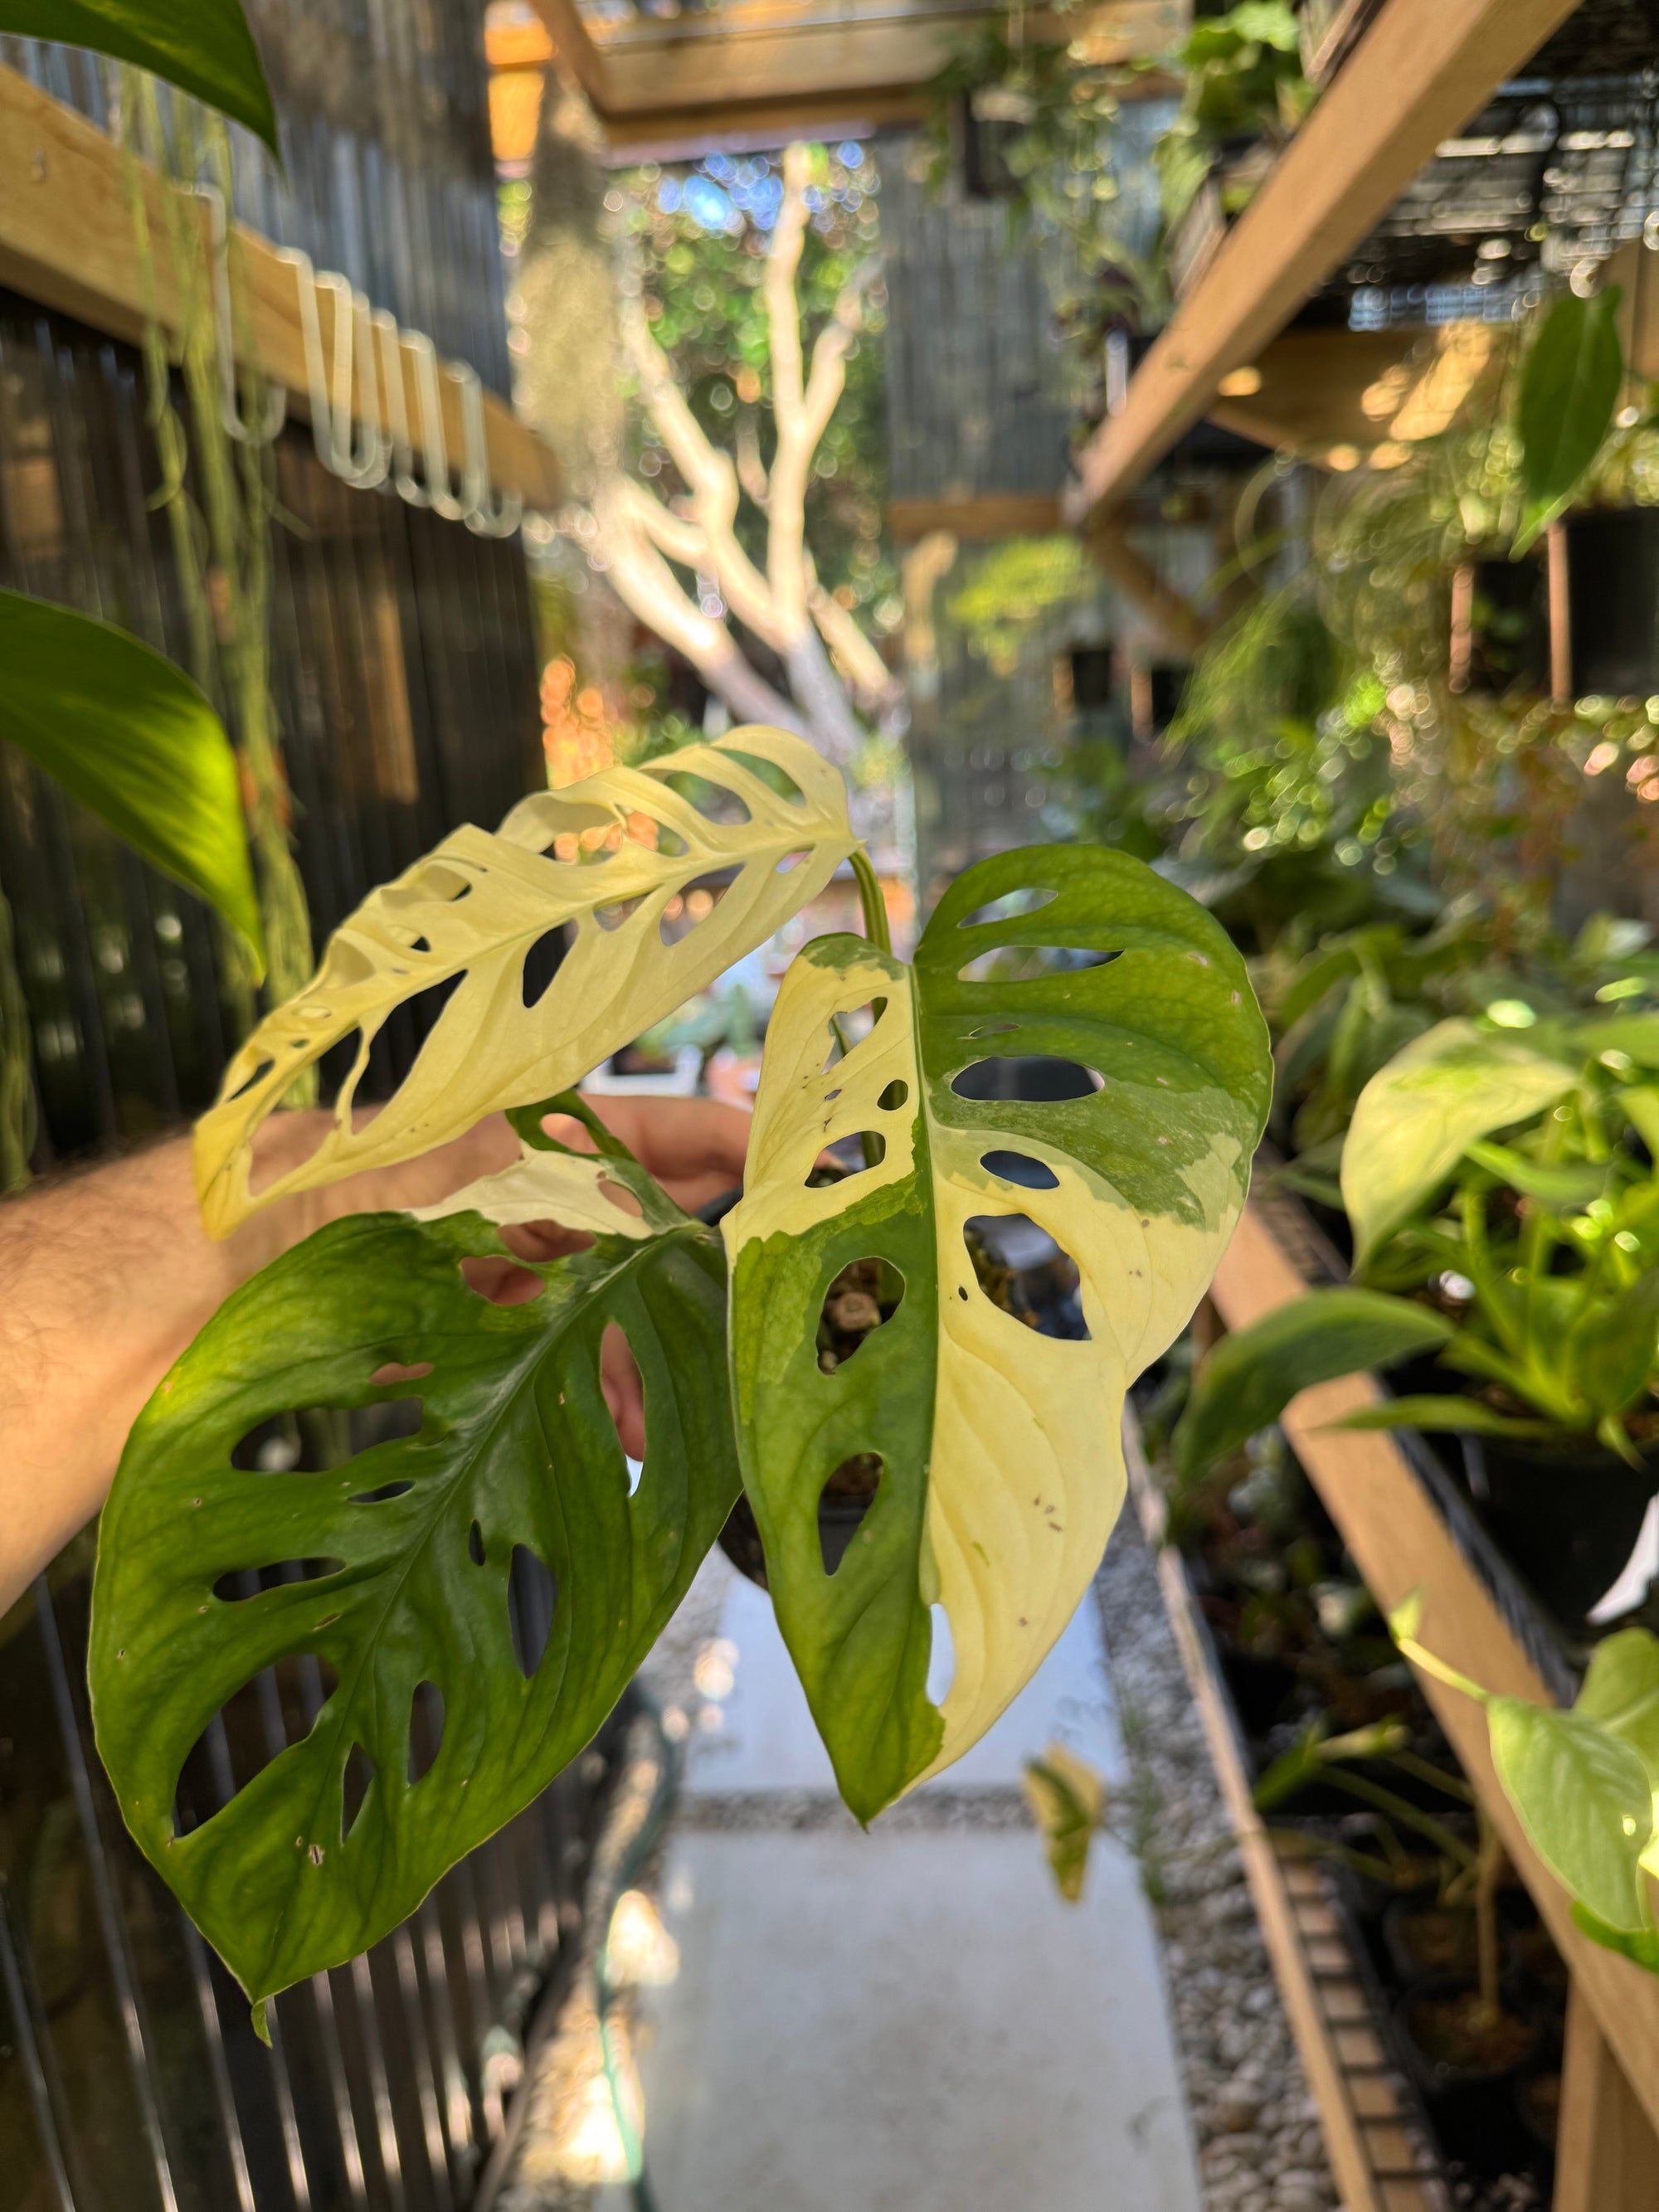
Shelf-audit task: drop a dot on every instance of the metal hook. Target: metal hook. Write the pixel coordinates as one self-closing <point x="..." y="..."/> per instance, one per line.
<point x="483" y="519"/>
<point x="439" y="495"/>
<point x="330" y="410"/>
<point x="391" y="341"/>
<point x="276" y="397"/>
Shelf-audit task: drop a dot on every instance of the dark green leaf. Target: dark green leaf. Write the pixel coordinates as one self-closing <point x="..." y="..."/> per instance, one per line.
<point x="1001" y="1468"/>
<point x="130" y="736"/>
<point x="1569" y="390"/>
<point x="1573" y="1184"/>
<point x="203" y="46"/>
<point x="1584" y="1801"/>
<point x="1611" y="1351"/>
<point x="1640" y="1946"/>
<point x="1254" y="1373"/>
<point x="1470" y="1415"/>
<point x="516" y="1447"/>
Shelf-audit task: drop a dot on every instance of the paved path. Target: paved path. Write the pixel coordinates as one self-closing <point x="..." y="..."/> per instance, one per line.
<point x="911" y="2020"/>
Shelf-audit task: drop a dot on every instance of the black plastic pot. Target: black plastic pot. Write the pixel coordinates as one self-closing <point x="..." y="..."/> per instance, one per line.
<point x="1473" y="2108"/>
<point x="1567" y="1519"/>
<point x="1422" y="1938"/>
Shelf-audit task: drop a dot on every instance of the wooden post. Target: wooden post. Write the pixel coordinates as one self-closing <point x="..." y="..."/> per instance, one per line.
<point x="1607" y="2154"/>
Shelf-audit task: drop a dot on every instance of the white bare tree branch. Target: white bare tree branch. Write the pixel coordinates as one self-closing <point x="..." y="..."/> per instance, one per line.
<point x="785" y="609"/>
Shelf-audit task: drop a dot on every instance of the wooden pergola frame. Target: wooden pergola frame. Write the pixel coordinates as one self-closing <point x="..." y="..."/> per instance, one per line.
<point x="759" y="70"/>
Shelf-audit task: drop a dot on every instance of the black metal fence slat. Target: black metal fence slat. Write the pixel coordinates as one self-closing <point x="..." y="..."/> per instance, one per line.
<point x="34" y="2062"/>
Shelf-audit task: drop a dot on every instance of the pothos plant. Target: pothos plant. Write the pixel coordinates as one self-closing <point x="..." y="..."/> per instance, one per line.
<point x="1000" y="1464"/>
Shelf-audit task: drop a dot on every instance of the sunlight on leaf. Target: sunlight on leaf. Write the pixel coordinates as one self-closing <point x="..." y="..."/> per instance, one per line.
<point x="130" y="738"/>
<point x="1001" y="1464"/>
<point x="603" y="858"/>
<point x="203" y="46"/>
<point x="1067" y="1799"/>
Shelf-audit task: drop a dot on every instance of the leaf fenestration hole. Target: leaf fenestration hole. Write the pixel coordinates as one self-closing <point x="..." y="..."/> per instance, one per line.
<point x="541" y="964"/>
<point x="475" y="1545"/>
<point x="863" y="1297"/>
<point x="941" y="1656"/>
<point x="895" y="1096"/>
<point x="426" y="1729"/>
<point x="624" y="1201"/>
<point x="1027" y="1273"/>
<point x="776" y="780"/>
<point x="1007" y="908"/>
<point x="257" y="1076"/>
<point x="1037" y="1077"/>
<point x="1026" y="963"/>
<point x="424" y="1007"/>
<point x="244" y="1583"/>
<point x="864" y="1149"/>
<point x="713" y="801"/>
<point x="843" y="1502"/>
<point x="391" y="1372"/>
<point x="621" y="910"/>
<point x="499" y="1280"/>
<point x="1020" y="1168"/>
<point x="791" y="861"/>
<point x="383" y="1496"/>
<point x="532" y="1593"/>
<point x="354" y="1787"/>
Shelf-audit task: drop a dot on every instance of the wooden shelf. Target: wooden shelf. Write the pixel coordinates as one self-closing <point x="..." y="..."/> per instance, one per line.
<point x="756" y="68"/>
<point x="1398" y="1533"/>
<point x="67" y="240"/>
<point x="1344" y="2055"/>
<point x="1421" y="71"/>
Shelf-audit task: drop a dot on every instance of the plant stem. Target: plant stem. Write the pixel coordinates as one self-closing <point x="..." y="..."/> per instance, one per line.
<point x="875" y="907"/>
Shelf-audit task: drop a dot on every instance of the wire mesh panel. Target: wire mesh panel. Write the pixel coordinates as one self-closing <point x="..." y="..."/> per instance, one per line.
<point x="131" y="2077"/>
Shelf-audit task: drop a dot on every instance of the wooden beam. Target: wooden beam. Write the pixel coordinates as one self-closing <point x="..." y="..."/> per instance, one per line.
<point x="993" y="514"/>
<point x="1182" y="630"/>
<point x="1400" y="1543"/>
<point x="1607" y="2157"/>
<point x="67" y="240"/>
<point x="760" y="62"/>
<point x="1420" y="71"/>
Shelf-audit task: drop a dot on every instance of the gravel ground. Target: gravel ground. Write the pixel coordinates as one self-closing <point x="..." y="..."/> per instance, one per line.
<point x="1256" y="2125"/>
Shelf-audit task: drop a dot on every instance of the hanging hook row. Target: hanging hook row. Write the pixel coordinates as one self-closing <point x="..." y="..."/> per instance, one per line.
<point x="365" y="444"/>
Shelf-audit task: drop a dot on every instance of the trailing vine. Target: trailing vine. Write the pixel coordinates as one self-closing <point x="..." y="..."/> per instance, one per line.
<point x="221" y="537"/>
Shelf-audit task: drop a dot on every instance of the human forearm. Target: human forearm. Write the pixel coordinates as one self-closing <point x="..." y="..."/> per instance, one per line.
<point x="105" y="1278"/>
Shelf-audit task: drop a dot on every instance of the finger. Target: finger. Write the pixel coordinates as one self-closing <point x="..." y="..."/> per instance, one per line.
<point x="624" y="1392"/>
<point x="694" y="1147"/>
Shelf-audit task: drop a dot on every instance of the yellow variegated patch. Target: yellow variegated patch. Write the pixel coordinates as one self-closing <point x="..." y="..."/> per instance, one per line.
<point x="603" y="859"/>
<point x="1001" y="1468"/>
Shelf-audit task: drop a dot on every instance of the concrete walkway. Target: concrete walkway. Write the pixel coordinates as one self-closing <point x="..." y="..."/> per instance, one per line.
<point x="911" y="2020"/>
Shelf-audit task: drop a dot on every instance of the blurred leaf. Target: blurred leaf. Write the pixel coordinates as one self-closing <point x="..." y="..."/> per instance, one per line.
<point x="1418" y="1116"/>
<point x="1569" y="389"/>
<point x="1611" y="1351"/>
<point x="1573" y="1185"/>
<point x="1067" y="1798"/>
<point x="203" y="46"/>
<point x="1469" y="1415"/>
<point x="1640" y="1946"/>
<point x="1584" y="1800"/>
<point x="129" y="736"/>
<point x="1253" y="1373"/>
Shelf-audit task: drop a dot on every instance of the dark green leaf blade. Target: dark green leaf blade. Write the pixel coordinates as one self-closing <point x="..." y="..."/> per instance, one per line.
<point x="203" y="46"/>
<point x="515" y="1438"/>
<point x="1569" y="390"/>
<point x="1640" y="1946"/>
<point x="1611" y="1349"/>
<point x="1253" y="1373"/>
<point x="129" y="736"/>
<point x="1468" y="1416"/>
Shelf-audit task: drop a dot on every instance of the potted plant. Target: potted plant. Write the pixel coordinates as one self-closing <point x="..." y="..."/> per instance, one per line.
<point x="1528" y="1269"/>
<point x="1000" y="1471"/>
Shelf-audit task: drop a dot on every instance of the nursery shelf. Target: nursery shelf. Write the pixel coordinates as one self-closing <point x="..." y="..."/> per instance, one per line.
<point x="1374" y="2160"/>
<point x="67" y="241"/>
<point x="1421" y="69"/>
<point x="1403" y="1530"/>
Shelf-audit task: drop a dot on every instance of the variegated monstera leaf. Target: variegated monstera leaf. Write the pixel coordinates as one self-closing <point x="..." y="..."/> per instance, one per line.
<point x="997" y="1450"/>
<point x="434" y="1624"/>
<point x="601" y="859"/>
